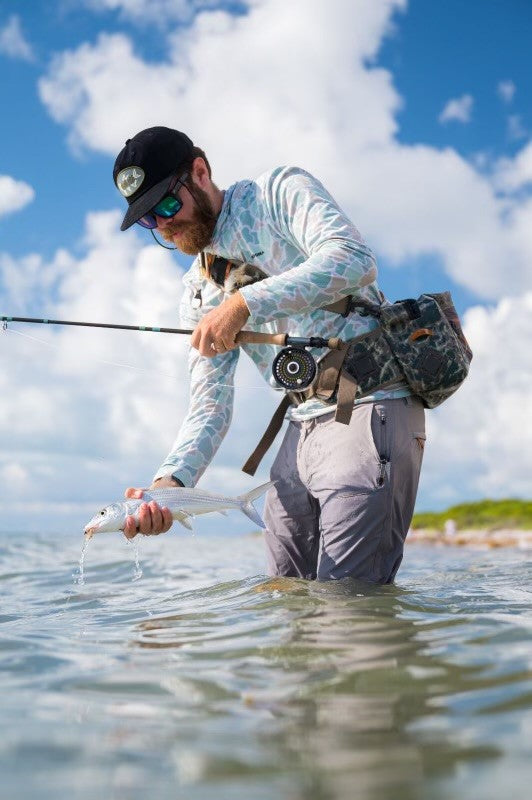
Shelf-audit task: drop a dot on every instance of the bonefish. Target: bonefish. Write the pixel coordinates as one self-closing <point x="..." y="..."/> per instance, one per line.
<point x="183" y="503"/>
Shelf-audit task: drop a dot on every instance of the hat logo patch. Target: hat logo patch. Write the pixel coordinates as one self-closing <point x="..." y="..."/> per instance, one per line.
<point x="129" y="179"/>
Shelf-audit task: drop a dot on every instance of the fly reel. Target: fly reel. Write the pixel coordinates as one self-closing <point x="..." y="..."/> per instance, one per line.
<point x="294" y="368"/>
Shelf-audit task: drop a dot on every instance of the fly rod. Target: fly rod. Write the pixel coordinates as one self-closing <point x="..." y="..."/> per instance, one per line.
<point x="293" y="368"/>
<point x="37" y="321"/>
<point x="244" y="337"/>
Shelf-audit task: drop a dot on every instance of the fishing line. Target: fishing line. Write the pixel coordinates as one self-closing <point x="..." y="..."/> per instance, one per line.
<point x="294" y="368"/>
<point x="96" y="360"/>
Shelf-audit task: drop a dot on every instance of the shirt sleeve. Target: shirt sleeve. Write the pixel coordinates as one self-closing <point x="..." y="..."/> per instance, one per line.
<point x="211" y="399"/>
<point x="336" y="262"/>
<point x="208" y="418"/>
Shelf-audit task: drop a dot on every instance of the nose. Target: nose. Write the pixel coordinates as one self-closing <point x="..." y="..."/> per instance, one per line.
<point x="162" y="222"/>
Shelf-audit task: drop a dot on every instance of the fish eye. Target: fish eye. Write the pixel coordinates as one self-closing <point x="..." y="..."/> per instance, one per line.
<point x="102" y="512"/>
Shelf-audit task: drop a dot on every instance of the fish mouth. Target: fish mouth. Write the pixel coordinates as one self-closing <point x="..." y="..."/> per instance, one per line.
<point x="90" y="531"/>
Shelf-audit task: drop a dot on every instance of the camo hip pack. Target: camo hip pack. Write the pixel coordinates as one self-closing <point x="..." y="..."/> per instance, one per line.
<point x="420" y="341"/>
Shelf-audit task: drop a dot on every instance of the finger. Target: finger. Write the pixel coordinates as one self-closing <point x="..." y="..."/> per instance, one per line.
<point x="201" y="340"/>
<point x="167" y="519"/>
<point x="228" y="343"/>
<point x="208" y="352"/>
<point x="130" y="528"/>
<point x="134" y="492"/>
<point x="144" y="523"/>
<point x="156" y="517"/>
<point x="204" y="344"/>
<point x="195" y="339"/>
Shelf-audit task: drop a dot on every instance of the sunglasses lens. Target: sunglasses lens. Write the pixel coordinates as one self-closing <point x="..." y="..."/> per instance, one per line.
<point x="147" y="221"/>
<point x="167" y="207"/>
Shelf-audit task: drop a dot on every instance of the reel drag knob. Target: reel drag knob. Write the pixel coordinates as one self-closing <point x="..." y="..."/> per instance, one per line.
<point x="294" y="368"/>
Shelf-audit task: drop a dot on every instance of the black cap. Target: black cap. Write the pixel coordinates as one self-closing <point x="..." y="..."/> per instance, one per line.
<point x="145" y="167"/>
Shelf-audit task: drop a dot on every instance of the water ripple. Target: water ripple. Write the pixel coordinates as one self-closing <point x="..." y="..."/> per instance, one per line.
<point x="198" y="681"/>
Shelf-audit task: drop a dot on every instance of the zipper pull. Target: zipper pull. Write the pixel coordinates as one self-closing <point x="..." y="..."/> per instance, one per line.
<point x="382" y="471"/>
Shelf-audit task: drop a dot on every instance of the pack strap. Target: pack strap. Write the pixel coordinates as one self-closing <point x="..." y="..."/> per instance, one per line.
<point x="250" y="467"/>
<point x="330" y="366"/>
<point x="347" y="389"/>
<point x="217" y="269"/>
<point x="342" y="307"/>
<point x="328" y="381"/>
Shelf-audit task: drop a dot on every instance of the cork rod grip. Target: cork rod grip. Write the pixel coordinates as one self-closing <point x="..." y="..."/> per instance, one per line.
<point x="252" y="337"/>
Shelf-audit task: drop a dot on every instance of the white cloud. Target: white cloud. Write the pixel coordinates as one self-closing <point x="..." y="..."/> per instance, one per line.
<point x="14" y="195"/>
<point x="506" y="91"/>
<point x="260" y="92"/>
<point x="516" y="129"/>
<point x="480" y="441"/>
<point x="13" y="42"/>
<point x="86" y="412"/>
<point x="300" y="85"/>
<point x="13" y="474"/>
<point x="159" y="12"/>
<point x="299" y="99"/>
<point x="512" y="174"/>
<point x="458" y="109"/>
<point x="62" y="388"/>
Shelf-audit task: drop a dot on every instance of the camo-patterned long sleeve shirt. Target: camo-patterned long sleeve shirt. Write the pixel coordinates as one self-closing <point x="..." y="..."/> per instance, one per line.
<point x="286" y="223"/>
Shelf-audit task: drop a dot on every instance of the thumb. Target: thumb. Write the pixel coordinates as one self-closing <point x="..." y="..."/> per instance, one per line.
<point x="133" y="493"/>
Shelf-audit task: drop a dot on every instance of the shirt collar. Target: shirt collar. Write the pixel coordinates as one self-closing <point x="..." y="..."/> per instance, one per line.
<point x="225" y="212"/>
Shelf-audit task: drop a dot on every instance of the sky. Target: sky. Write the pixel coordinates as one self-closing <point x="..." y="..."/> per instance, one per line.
<point x="417" y="116"/>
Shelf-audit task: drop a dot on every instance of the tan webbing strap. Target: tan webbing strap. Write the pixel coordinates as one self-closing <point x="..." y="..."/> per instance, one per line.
<point x="339" y="307"/>
<point x="330" y="366"/>
<point x="250" y="467"/>
<point x="332" y="375"/>
<point x="347" y="388"/>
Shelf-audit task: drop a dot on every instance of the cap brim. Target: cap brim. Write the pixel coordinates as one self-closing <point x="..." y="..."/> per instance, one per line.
<point x="145" y="202"/>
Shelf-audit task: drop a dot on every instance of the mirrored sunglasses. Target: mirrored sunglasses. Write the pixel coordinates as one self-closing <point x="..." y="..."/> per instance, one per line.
<point x="168" y="207"/>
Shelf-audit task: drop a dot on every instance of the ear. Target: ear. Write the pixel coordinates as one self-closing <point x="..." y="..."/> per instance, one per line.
<point x="200" y="173"/>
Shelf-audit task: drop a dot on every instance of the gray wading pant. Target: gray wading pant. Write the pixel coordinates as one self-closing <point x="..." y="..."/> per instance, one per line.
<point x="344" y="494"/>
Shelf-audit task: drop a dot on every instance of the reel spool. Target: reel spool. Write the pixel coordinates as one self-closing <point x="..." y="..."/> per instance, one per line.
<point x="294" y="368"/>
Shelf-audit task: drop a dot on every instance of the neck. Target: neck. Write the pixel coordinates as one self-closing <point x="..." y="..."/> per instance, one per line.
<point x="217" y="199"/>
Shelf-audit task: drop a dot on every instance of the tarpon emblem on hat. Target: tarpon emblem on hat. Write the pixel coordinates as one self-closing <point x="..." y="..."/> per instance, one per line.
<point x="129" y="179"/>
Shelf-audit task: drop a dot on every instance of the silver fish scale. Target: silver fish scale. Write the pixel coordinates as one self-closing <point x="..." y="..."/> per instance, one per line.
<point x="182" y="496"/>
<point x="182" y="502"/>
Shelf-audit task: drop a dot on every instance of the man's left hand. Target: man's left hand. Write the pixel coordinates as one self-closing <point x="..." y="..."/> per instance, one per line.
<point x="216" y="332"/>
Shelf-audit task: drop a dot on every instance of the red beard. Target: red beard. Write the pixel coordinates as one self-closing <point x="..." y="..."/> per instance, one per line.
<point x="195" y="235"/>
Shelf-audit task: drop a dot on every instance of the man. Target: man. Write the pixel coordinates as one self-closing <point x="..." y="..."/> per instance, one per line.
<point x="344" y="495"/>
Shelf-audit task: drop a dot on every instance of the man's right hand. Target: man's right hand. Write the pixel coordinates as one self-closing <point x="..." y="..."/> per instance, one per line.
<point x="153" y="519"/>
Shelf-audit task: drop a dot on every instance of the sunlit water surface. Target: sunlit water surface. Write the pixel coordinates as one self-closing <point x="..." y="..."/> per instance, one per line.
<point x="200" y="678"/>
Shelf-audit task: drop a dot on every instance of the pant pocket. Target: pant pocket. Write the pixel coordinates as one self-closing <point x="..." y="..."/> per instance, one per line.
<point x="342" y="458"/>
<point x="420" y="438"/>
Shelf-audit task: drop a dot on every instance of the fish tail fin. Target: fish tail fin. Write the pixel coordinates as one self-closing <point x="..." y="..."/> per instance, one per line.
<point x="245" y="502"/>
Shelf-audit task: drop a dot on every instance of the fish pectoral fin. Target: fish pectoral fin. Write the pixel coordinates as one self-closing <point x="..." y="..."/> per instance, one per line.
<point x="184" y="519"/>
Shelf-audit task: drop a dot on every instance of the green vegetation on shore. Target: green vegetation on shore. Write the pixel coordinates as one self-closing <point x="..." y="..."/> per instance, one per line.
<point x="484" y="514"/>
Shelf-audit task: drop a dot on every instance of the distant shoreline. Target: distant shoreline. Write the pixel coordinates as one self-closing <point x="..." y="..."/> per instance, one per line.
<point x="483" y="523"/>
<point x="472" y="537"/>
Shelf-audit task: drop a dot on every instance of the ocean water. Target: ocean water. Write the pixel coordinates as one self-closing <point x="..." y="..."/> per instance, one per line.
<point x="181" y="671"/>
